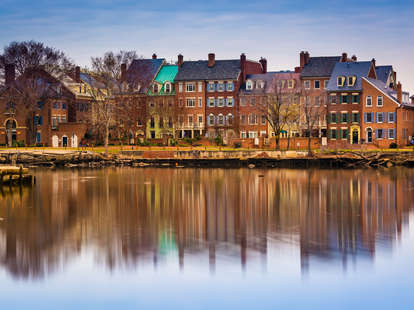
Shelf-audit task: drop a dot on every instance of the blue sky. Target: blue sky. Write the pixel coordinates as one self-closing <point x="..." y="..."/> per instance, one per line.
<point x="277" y="30"/>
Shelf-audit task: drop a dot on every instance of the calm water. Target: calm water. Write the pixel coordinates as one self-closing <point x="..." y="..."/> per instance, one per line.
<point x="209" y="239"/>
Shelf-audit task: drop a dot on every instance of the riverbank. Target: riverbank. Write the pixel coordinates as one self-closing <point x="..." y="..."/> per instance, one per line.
<point x="205" y="159"/>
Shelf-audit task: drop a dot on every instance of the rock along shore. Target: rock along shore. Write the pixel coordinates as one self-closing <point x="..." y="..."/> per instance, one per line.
<point x="204" y="159"/>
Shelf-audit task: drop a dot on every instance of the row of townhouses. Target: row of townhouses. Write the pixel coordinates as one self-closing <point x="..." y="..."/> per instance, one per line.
<point x="353" y="102"/>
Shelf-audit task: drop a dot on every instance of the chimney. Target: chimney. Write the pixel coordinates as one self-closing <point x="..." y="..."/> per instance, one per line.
<point x="211" y="60"/>
<point x="10" y="74"/>
<point x="243" y="67"/>
<point x="307" y="56"/>
<point x="263" y="62"/>
<point x="374" y="62"/>
<point x="298" y="69"/>
<point x="180" y="61"/>
<point x="395" y="80"/>
<point x="77" y="74"/>
<point x="302" y="59"/>
<point x="344" y="57"/>
<point x="154" y="56"/>
<point x="412" y="99"/>
<point x="354" y="58"/>
<point x="399" y="92"/>
<point x="123" y="71"/>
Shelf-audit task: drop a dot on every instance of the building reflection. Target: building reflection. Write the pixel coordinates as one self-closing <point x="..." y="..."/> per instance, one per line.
<point x="128" y="217"/>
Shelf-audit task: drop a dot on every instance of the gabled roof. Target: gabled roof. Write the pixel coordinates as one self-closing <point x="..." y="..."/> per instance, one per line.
<point x="270" y="79"/>
<point x="359" y="69"/>
<point x="199" y="70"/>
<point x="144" y="71"/>
<point x="383" y="72"/>
<point x="320" y="66"/>
<point x="381" y="86"/>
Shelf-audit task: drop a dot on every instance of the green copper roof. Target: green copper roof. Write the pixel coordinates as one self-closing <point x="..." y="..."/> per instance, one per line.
<point x="167" y="73"/>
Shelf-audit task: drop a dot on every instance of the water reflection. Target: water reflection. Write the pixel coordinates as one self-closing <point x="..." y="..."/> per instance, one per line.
<point x="128" y="217"/>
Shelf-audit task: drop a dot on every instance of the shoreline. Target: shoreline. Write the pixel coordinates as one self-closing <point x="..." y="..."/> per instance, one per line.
<point x="205" y="159"/>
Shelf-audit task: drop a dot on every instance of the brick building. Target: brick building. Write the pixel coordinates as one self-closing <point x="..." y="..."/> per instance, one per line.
<point x="207" y="90"/>
<point x="38" y="108"/>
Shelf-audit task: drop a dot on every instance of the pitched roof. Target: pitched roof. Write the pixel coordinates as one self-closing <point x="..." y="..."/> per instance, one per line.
<point x="383" y="72"/>
<point x="320" y="66"/>
<point x="144" y="71"/>
<point x="270" y="79"/>
<point x="380" y="85"/>
<point x="359" y="69"/>
<point x="167" y="73"/>
<point x="199" y="70"/>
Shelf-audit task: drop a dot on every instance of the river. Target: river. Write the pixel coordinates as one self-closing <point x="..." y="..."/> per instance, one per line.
<point x="129" y="238"/>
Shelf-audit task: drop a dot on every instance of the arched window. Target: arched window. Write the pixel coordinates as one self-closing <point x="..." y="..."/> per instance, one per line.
<point x="167" y="87"/>
<point x="211" y="119"/>
<point x="249" y="85"/>
<point x="220" y="119"/>
<point x="230" y="119"/>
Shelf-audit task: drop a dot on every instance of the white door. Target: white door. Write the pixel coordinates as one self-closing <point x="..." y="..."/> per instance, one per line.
<point x="55" y="141"/>
<point x="74" y="142"/>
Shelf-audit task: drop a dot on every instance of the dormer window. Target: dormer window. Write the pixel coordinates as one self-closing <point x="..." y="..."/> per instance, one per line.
<point x="249" y="85"/>
<point x="351" y="80"/>
<point x="290" y="83"/>
<point x="340" y="82"/>
<point x="260" y="84"/>
<point x="220" y="86"/>
<point x="155" y="88"/>
<point x="167" y="87"/>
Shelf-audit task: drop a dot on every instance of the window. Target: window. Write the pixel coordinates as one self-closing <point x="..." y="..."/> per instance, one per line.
<point x="344" y="134"/>
<point x="220" y="102"/>
<point x="380" y="117"/>
<point x="351" y="80"/>
<point x="54" y="122"/>
<point x="306" y="84"/>
<point x="263" y="119"/>
<point x="211" y="87"/>
<point x="290" y="83"/>
<point x="344" y="99"/>
<point x="249" y="85"/>
<point x="63" y="106"/>
<point x="379" y="134"/>
<point x="230" y="86"/>
<point x="152" y="122"/>
<point x="220" y="87"/>
<point x="260" y="84"/>
<point x="180" y="87"/>
<point x="155" y="88"/>
<point x="54" y="105"/>
<point x="379" y="101"/>
<point x="200" y="87"/>
<point x="252" y="134"/>
<point x="243" y="119"/>
<point x="170" y="122"/>
<point x="391" y="117"/>
<point x="200" y="119"/>
<point x="211" y="119"/>
<point x="369" y="101"/>
<point x="161" y="123"/>
<point x="180" y="102"/>
<point x="355" y="117"/>
<point x="333" y="99"/>
<point x="63" y="119"/>
<point x="152" y="134"/>
<point x="325" y="84"/>
<point x="333" y="134"/>
<point x="243" y="135"/>
<point x="220" y="119"/>
<point x="344" y="117"/>
<point x="333" y="118"/>
<point x="369" y="135"/>
<point x="230" y="119"/>
<point x="317" y="84"/>
<point x="167" y="87"/>
<point x="252" y="119"/>
<point x="340" y="81"/>
<point x="391" y="133"/>
<point x="180" y="119"/>
<point x="190" y="120"/>
<point x="243" y="101"/>
<point x="190" y="102"/>
<point x="211" y="102"/>
<point x="355" y="98"/>
<point x="230" y="101"/>
<point x="190" y="87"/>
<point x="317" y="101"/>
<point x="253" y="101"/>
<point x="369" y="117"/>
<point x="200" y="102"/>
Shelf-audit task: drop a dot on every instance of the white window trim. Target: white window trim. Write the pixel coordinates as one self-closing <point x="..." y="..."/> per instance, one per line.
<point x="180" y="87"/>
<point x="314" y="84"/>
<point x="200" y="87"/>
<point x="334" y="128"/>
<point x="382" y="101"/>
<point x="209" y="102"/>
<point x="306" y="82"/>
<point x="249" y="85"/>
<point x="232" y="105"/>
<point x="393" y="121"/>
<point x="189" y="84"/>
<point x="189" y="106"/>
<point x="366" y="101"/>
<point x="393" y="138"/>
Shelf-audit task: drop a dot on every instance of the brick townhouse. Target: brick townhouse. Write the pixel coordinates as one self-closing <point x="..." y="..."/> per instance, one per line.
<point x="364" y="107"/>
<point x="315" y="73"/>
<point x="49" y="119"/>
<point x="207" y="90"/>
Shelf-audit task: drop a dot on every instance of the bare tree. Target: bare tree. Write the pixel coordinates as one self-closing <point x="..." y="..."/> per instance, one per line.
<point x="279" y="106"/>
<point x="116" y="89"/>
<point x="40" y="70"/>
<point x="313" y="115"/>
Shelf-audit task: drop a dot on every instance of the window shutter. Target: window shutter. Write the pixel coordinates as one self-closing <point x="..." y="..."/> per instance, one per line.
<point x="347" y="117"/>
<point x="359" y="98"/>
<point x="376" y="117"/>
<point x="388" y="117"/>
<point x="340" y="98"/>
<point x="383" y="117"/>
<point x="365" y="117"/>
<point x="388" y="133"/>
<point x="358" y="116"/>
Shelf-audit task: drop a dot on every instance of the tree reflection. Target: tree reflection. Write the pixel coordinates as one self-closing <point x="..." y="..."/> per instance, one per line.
<point x="134" y="216"/>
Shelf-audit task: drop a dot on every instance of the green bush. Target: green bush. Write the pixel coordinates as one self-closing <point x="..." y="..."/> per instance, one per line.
<point x="218" y="140"/>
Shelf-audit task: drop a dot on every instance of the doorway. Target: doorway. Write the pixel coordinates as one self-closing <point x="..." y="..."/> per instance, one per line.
<point x="64" y="141"/>
<point x="11" y="132"/>
<point x="369" y="135"/>
<point x="355" y="137"/>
